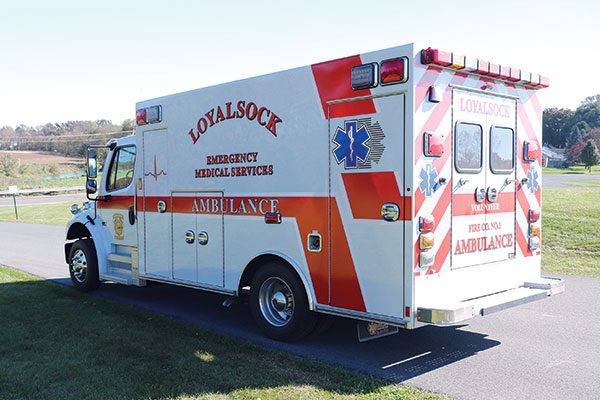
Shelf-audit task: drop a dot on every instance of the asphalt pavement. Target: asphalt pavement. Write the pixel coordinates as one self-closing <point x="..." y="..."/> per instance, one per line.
<point x="562" y="181"/>
<point x="546" y="349"/>
<point x="7" y="201"/>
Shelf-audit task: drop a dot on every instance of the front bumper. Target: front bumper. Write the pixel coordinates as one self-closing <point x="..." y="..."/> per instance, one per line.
<point x="453" y="313"/>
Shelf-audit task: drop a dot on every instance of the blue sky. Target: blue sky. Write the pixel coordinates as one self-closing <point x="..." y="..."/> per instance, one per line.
<point x="70" y="60"/>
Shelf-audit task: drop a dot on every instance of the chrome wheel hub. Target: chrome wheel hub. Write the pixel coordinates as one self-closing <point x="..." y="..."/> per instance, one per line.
<point x="79" y="265"/>
<point x="276" y="301"/>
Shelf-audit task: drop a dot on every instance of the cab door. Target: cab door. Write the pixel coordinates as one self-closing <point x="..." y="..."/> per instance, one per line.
<point x="117" y="208"/>
<point x="483" y="193"/>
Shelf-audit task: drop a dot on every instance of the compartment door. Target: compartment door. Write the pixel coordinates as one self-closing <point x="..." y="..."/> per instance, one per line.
<point x="209" y="238"/>
<point x="366" y="173"/>
<point x="156" y="215"/>
<point x="183" y="235"/>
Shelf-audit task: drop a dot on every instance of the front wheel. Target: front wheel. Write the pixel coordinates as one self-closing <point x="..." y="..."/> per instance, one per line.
<point x="279" y="304"/>
<point x="83" y="265"/>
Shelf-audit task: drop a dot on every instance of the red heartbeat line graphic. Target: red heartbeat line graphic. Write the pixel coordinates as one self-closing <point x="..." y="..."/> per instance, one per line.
<point x="155" y="173"/>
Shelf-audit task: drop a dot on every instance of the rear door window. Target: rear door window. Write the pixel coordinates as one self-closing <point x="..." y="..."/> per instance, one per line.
<point x="468" y="157"/>
<point x="502" y="150"/>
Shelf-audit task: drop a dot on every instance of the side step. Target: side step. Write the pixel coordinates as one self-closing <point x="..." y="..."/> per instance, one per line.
<point x="123" y="269"/>
<point x="528" y="292"/>
<point x="120" y="258"/>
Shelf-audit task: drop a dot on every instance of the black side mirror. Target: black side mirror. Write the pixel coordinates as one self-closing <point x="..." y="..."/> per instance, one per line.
<point x="92" y="170"/>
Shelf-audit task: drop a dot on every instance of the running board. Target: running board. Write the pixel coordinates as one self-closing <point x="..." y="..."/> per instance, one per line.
<point x="530" y="291"/>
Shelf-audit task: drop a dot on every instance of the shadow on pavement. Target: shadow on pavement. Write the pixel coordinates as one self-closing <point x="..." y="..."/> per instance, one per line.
<point x="399" y="357"/>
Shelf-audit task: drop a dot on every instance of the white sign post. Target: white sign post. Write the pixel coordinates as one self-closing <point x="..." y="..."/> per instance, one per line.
<point x="14" y="190"/>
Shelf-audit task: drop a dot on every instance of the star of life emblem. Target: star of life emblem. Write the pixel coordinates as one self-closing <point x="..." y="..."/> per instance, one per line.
<point x="358" y="143"/>
<point x="428" y="177"/>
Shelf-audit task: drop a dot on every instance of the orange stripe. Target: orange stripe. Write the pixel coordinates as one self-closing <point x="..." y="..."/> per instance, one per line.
<point x="345" y="289"/>
<point x="368" y="191"/>
<point x="116" y="202"/>
<point x="311" y="215"/>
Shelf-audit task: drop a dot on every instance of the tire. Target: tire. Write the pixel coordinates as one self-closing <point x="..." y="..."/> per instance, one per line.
<point x="83" y="265"/>
<point x="279" y="304"/>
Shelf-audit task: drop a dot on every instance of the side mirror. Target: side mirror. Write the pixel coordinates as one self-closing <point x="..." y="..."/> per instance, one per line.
<point x="92" y="170"/>
<point x="91" y="186"/>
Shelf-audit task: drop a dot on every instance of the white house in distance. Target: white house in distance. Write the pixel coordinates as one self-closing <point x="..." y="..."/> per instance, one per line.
<point x="553" y="156"/>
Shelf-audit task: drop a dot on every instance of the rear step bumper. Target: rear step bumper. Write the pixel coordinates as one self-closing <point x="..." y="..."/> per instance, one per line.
<point x="528" y="292"/>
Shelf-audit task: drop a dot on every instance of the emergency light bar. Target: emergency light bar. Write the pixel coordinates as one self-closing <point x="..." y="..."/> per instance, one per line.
<point x="482" y="67"/>
<point x="148" y="115"/>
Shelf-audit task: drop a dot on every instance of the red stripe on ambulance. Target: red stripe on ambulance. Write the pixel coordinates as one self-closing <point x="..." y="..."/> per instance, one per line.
<point x="333" y="80"/>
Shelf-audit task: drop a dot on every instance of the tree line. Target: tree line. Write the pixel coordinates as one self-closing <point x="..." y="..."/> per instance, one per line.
<point x="577" y="130"/>
<point x="69" y="138"/>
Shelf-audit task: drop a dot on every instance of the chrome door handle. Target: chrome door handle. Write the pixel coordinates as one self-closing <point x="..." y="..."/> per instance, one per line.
<point x="492" y="194"/>
<point x="189" y="237"/>
<point x="390" y="212"/>
<point x="202" y="238"/>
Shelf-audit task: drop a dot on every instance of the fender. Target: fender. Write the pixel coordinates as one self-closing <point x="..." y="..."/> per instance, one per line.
<point x="98" y="234"/>
<point x="310" y="293"/>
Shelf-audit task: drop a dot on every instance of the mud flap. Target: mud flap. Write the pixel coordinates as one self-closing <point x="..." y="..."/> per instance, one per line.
<point x="374" y="330"/>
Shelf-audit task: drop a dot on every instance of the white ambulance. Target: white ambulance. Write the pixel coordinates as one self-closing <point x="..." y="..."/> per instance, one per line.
<point x="399" y="187"/>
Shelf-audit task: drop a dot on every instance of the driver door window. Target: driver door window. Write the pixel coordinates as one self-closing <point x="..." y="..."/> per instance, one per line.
<point x="120" y="174"/>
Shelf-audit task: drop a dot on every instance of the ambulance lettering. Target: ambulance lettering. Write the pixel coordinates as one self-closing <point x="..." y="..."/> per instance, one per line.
<point x="249" y="110"/>
<point x="235" y="205"/>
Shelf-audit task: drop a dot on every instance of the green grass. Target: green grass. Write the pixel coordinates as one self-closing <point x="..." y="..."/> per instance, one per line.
<point x="576" y="169"/>
<point x="33" y="176"/>
<point x="50" y="214"/>
<point x="57" y="343"/>
<point x="591" y="183"/>
<point x="571" y="231"/>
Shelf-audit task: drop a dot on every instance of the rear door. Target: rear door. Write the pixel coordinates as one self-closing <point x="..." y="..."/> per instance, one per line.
<point x="483" y="193"/>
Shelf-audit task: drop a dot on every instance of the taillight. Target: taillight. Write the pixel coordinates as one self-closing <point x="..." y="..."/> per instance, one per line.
<point x="394" y="71"/>
<point x="433" y="144"/>
<point x="426" y="259"/>
<point x="426" y="223"/>
<point x="534" y="215"/>
<point x="534" y="243"/>
<point x="426" y="241"/>
<point x="534" y="230"/>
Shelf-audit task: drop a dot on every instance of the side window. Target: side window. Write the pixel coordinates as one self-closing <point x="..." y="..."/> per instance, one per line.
<point x="120" y="173"/>
<point x="502" y="150"/>
<point x="468" y="140"/>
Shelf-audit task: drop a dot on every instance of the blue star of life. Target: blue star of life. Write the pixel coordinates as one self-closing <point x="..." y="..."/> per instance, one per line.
<point x="532" y="179"/>
<point x="428" y="177"/>
<point x="351" y="144"/>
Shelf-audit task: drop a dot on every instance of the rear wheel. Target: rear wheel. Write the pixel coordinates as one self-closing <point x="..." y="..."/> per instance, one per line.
<point x="83" y="265"/>
<point x="279" y="304"/>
